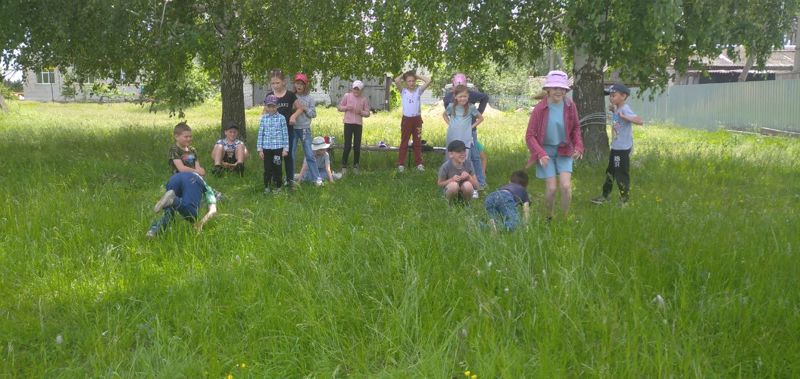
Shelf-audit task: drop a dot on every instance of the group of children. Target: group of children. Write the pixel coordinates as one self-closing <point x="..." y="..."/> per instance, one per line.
<point x="553" y="138"/>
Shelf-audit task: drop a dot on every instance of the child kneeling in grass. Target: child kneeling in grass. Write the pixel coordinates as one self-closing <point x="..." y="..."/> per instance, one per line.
<point x="501" y="205"/>
<point x="322" y="161"/>
<point x="457" y="176"/>
<point x="185" y="191"/>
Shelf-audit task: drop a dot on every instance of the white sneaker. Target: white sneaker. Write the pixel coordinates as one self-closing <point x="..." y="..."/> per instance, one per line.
<point x="165" y="201"/>
<point x="297" y="177"/>
<point x="420" y="167"/>
<point x="475" y="194"/>
<point x="151" y="234"/>
<point x="337" y="175"/>
<point x="401" y="168"/>
<point x="318" y="183"/>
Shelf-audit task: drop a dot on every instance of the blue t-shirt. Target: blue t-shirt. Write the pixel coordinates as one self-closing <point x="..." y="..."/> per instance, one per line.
<point x="460" y="127"/>
<point x="622" y="130"/>
<point x="518" y="191"/>
<point x="555" y="134"/>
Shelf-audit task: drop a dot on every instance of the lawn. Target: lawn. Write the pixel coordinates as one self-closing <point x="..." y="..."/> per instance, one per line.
<point x="376" y="276"/>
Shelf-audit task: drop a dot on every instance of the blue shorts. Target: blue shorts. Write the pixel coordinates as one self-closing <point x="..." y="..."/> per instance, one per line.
<point x="555" y="166"/>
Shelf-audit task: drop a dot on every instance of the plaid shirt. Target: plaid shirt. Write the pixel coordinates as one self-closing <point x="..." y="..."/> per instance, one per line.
<point x="272" y="133"/>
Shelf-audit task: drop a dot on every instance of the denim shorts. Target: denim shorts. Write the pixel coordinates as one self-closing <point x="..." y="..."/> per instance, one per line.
<point x="555" y="166"/>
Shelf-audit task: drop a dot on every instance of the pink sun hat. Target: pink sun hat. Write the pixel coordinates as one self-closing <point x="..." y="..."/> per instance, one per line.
<point x="459" y="79"/>
<point x="557" y="79"/>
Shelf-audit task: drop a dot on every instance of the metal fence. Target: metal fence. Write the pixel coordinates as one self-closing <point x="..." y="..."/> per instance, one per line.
<point x="748" y="105"/>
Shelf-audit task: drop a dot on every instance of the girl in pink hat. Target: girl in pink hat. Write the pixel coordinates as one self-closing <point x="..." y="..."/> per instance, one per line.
<point x="554" y="139"/>
<point x="355" y="107"/>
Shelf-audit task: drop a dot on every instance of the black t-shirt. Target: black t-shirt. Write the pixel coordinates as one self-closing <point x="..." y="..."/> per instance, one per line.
<point x="285" y="104"/>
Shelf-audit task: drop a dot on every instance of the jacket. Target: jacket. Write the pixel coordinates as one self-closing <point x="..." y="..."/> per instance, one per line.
<point x="537" y="127"/>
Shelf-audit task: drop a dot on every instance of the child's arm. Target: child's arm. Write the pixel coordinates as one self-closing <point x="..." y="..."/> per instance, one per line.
<point x="365" y="107"/>
<point x="634" y="119"/>
<point x="311" y="109"/>
<point x="443" y="182"/>
<point x="298" y="106"/>
<point x="284" y="138"/>
<point x="212" y="211"/>
<point x="446" y="117"/>
<point x="197" y="167"/>
<point x="474" y="180"/>
<point x="260" y="139"/>
<point x="398" y="82"/>
<point x="478" y="120"/>
<point x="343" y="104"/>
<point x="303" y="169"/>
<point x="183" y="168"/>
<point x="329" y="172"/>
<point x="426" y="81"/>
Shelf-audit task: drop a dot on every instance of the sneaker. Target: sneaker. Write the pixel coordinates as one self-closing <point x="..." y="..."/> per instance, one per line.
<point x="623" y="202"/>
<point x="599" y="200"/>
<point x="475" y="194"/>
<point x="318" y="183"/>
<point x="165" y="201"/>
<point x="151" y="233"/>
<point x="267" y="191"/>
<point x="355" y="170"/>
<point x="337" y="175"/>
<point x="217" y="170"/>
<point x="420" y="167"/>
<point x="344" y="171"/>
<point x="239" y="169"/>
<point x="401" y="168"/>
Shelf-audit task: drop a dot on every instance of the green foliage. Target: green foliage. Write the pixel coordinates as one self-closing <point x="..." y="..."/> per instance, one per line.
<point x="189" y="87"/>
<point x="6" y="91"/>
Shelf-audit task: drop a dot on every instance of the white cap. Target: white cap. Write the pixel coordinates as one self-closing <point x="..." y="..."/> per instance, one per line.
<point x="358" y="84"/>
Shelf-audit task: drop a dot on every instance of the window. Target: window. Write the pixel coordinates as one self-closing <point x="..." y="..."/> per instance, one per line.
<point x="46" y="77"/>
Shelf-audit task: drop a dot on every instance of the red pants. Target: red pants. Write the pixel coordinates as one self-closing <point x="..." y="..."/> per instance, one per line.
<point x="410" y="126"/>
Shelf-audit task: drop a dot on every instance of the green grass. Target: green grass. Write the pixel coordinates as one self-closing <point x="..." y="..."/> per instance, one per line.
<point x="376" y="276"/>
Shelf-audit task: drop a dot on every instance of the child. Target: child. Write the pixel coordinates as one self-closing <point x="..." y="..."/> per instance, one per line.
<point x="183" y="156"/>
<point x="290" y="108"/>
<point x="482" y="100"/>
<point x="411" y="123"/>
<point x="355" y="107"/>
<point x="229" y="153"/>
<point x="323" y="162"/>
<point x="461" y="118"/>
<point x="501" y="205"/>
<point x="272" y="144"/>
<point x="621" y="144"/>
<point x="302" y="125"/>
<point x="185" y="191"/>
<point x="554" y="139"/>
<point x="457" y="176"/>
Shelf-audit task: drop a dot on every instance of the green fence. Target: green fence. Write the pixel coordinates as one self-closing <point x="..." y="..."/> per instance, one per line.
<point x="749" y="105"/>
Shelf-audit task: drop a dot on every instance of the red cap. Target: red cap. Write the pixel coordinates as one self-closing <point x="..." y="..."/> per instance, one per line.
<point x="301" y="77"/>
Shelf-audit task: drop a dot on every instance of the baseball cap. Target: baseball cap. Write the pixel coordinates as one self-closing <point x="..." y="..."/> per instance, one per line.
<point x="301" y="77"/>
<point x="232" y="125"/>
<point x="621" y="88"/>
<point x="456" y="146"/>
<point x="271" y="100"/>
<point x="358" y="84"/>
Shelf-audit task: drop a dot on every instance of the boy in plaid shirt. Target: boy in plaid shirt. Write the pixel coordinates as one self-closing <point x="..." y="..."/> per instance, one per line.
<point x="272" y="144"/>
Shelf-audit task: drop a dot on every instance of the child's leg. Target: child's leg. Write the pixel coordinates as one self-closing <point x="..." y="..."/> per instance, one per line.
<point x="310" y="161"/>
<point x="484" y="161"/>
<point x="217" y="153"/>
<point x="416" y="135"/>
<point x="289" y="159"/>
<point x="451" y="191"/>
<point x="241" y="154"/>
<point x="549" y="196"/>
<point x="466" y="191"/>
<point x="357" y="130"/>
<point x="405" y="133"/>
<point x="348" y="143"/>
<point x="508" y="208"/>
<point x="565" y="186"/>
<point x="622" y="174"/>
<point x="277" y="174"/>
<point x="161" y="224"/>
<point x="268" y="167"/>
<point x="475" y="158"/>
<point x="613" y="160"/>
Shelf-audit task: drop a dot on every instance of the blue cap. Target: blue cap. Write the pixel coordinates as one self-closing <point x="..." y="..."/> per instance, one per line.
<point x="617" y="88"/>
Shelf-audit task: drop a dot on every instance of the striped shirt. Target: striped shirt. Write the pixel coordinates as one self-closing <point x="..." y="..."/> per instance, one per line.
<point x="272" y="133"/>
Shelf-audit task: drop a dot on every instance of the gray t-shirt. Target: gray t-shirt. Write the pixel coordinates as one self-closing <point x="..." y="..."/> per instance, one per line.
<point x="322" y="162"/>
<point x="449" y="170"/>
<point x="304" y="118"/>
<point x="621" y="130"/>
<point x="460" y="127"/>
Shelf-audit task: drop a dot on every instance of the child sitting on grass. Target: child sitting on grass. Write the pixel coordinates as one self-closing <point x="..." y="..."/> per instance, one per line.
<point x="457" y="176"/>
<point x="501" y="205"/>
<point x="229" y="153"/>
<point x="185" y="191"/>
<point x="322" y="161"/>
<point x="182" y="156"/>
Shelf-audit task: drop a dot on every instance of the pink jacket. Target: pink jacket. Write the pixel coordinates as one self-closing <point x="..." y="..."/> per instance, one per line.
<point x="356" y="106"/>
<point x="537" y="127"/>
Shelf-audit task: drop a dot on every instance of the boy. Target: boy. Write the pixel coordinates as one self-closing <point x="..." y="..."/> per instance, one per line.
<point x="621" y="144"/>
<point x="273" y="143"/>
<point x="182" y="156"/>
<point x="229" y="153"/>
<point x="501" y="205"/>
<point x="457" y="176"/>
<point x="185" y="191"/>
<point x="411" y="123"/>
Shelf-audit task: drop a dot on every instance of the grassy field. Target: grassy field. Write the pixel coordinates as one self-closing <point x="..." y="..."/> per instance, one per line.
<point x="376" y="276"/>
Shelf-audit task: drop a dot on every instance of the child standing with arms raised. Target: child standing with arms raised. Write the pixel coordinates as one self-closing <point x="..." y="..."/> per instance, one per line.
<point x="355" y="108"/>
<point x="554" y="139"/>
<point x="621" y="144"/>
<point x="411" y="124"/>
<point x="272" y="144"/>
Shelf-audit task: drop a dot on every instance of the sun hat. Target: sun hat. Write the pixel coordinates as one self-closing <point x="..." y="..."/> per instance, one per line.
<point x="319" y="143"/>
<point x="557" y="79"/>
<point x="456" y="146"/>
<point x="301" y="77"/>
<point x="358" y="84"/>
<point x="459" y="79"/>
<point x="621" y="88"/>
<point x="271" y="100"/>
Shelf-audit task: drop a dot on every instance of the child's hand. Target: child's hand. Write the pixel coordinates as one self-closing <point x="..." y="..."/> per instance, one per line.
<point x="261" y="155"/>
<point x="612" y="108"/>
<point x="292" y="119"/>
<point x="543" y="161"/>
<point x="577" y="155"/>
<point x="284" y="153"/>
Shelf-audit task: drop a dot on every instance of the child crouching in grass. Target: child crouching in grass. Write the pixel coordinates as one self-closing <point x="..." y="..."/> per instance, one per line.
<point x="501" y="205"/>
<point x="457" y="176"/>
<point x="185" y="192"/>
<point x="229" y="153"/>
<point x="322" y="161"/>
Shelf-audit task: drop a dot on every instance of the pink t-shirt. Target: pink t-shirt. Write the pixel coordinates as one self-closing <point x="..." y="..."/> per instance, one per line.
<point x="356" y="105"/>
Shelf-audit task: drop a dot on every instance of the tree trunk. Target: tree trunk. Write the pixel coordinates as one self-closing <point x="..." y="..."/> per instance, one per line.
<point x="232" y="87"/>
<point x="588" y="96"/>
<point x="3" y="106"/>
<point x="746" y="69"/>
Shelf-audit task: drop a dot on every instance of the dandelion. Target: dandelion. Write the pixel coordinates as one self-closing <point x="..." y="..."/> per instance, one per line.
<point x="242" y="365"/>
<point x="467" y="373"/>
<point x="230" y="376"/>
<point x="473" y="376"/>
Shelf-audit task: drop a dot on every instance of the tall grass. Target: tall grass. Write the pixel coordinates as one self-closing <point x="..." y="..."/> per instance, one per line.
<point x="376" y="276"/>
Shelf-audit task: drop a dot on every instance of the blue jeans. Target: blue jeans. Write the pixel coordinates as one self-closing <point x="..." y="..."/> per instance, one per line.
<point x="502" y="208"/>
<point x="305" y="136"/>
<point x="188" y="188"/>
<point x="475" y="158"/>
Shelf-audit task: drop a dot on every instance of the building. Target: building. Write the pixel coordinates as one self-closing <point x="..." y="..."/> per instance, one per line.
<point x="48" y="85"/>
<point x="725" y="69"/>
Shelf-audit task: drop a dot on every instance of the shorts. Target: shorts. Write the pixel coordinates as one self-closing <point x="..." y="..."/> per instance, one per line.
<point x="555" y="166"/>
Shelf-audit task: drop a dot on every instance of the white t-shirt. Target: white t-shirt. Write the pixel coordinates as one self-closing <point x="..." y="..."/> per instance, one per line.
<point x="411" y="101"/>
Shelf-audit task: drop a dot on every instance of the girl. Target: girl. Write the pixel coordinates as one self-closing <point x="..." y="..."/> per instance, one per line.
<point x="355" y="107"/>
<point x="459" y="117"/>
<point x="411" y="123"/>
<point x="554" y="139"/>
<point x="290" y="109"/>
<point x="302" y="126"/>
<point x="322" y="161"/>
